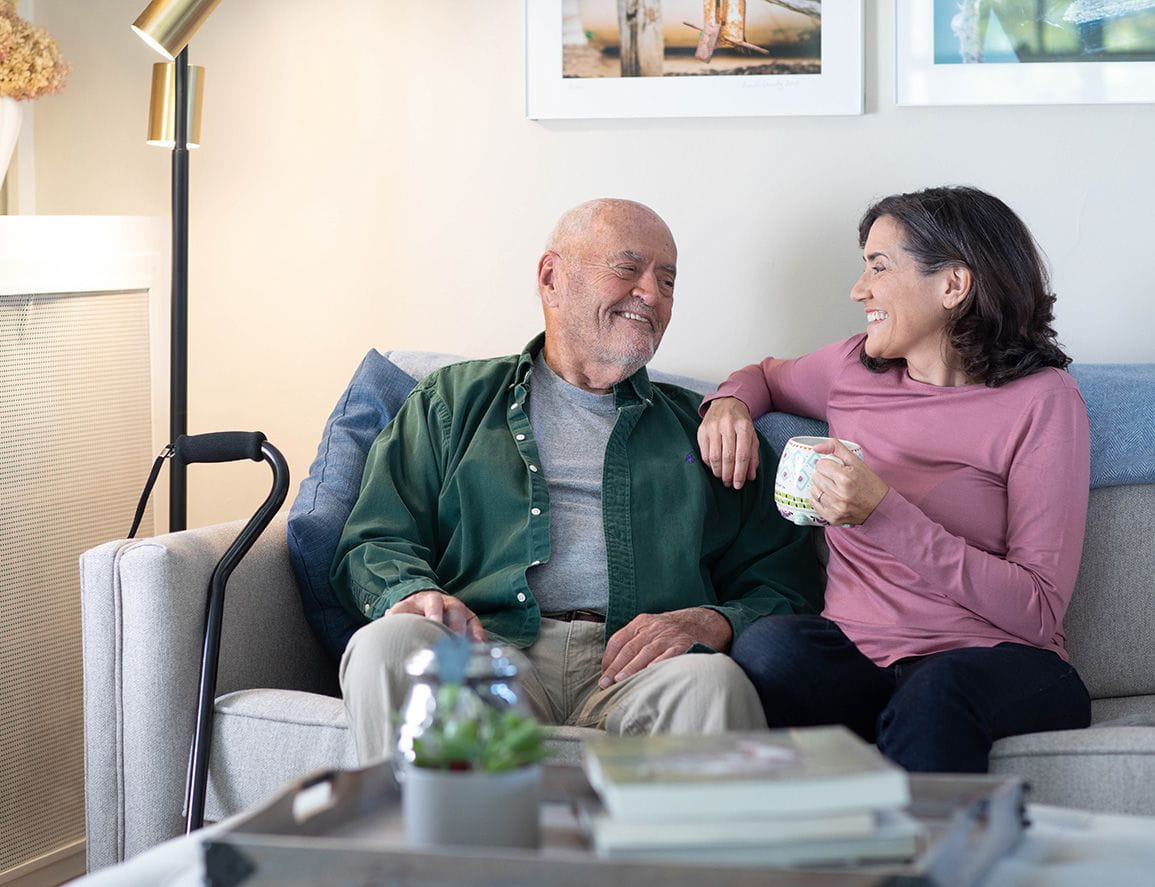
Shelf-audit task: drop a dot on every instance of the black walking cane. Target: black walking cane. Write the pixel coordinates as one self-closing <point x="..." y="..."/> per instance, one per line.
<point x="224" y="446"/>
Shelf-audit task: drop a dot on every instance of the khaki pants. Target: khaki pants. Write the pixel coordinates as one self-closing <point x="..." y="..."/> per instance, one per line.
<point x="694" y="693"/>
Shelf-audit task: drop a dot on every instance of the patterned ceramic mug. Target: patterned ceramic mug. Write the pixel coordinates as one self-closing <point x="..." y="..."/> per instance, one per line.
<point x="795" y="474"/>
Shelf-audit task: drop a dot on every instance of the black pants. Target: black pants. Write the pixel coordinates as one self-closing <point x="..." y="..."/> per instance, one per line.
<point x="936" y="713"/>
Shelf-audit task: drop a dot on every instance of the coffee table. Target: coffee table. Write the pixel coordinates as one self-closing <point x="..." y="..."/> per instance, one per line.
<point x="345" y="826"/>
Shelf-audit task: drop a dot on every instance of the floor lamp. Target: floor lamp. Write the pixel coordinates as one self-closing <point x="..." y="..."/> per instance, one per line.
<point x="168" y="26"/>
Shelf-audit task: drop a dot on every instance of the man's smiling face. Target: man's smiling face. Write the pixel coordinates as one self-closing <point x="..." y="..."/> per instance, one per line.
<point x="616" y="291"/>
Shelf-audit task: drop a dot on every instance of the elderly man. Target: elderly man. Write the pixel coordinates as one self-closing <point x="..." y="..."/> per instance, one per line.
<point x="555" y="500"/>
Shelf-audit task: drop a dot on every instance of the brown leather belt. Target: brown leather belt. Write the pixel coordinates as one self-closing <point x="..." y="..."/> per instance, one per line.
<point x="576" y="616"/>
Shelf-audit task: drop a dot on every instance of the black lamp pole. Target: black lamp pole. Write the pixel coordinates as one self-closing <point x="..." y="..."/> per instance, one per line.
<point x="178" y="336"/>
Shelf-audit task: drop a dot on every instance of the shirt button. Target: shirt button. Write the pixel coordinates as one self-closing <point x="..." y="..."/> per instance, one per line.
<point x="535" y="511"/>
<point x="519" y="437"/>
<point x="532" y="467"/>
<point x="368" y="608"/>
<point x="536" y="564"/>
<point x="521" y="597"/>
<point x="514" y="406"/>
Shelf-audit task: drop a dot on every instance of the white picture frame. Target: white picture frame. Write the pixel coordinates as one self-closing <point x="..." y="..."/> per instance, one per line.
<point x="837" y="90"/>
<point x="920" y="81"/>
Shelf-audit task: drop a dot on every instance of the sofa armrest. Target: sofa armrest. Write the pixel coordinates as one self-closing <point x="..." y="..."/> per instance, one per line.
<point x="143" y="609"/>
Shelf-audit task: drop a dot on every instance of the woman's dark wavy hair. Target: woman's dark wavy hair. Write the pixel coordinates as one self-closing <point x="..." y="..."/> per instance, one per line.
<point x="1002" y="328"/>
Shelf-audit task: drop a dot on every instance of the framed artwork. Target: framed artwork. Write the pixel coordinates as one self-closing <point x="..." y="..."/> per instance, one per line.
<point x="692" y="58"/>
<point x="1024" y="52"/>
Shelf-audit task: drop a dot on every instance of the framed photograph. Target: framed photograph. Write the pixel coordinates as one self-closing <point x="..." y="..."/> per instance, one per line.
<point x="1024" y="52"/>
<point x="692" y="58"/>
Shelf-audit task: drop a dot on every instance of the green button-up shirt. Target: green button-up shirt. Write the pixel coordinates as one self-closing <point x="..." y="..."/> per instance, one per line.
<point x="448" y="502"/>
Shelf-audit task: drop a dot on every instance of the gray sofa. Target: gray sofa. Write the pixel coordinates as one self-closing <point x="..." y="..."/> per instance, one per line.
<point x="278" y="715"/>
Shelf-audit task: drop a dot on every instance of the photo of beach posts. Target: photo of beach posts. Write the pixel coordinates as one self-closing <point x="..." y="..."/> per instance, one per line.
<point x="1012" y="31"/>
<point x="686" y="38"/>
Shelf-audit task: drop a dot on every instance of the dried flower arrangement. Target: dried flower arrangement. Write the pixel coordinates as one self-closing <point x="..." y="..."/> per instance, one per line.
<point x="30" y="62"/>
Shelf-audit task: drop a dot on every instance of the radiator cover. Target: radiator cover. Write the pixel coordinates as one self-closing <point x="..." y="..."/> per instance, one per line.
<point x="75" y="448"/>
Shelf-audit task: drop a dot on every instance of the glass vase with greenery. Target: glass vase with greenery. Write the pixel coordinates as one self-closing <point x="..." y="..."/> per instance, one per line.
<point x="465" y="711"/>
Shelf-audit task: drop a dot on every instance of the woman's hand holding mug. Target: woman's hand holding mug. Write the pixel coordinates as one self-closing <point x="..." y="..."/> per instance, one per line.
<point x="844" y="491"/>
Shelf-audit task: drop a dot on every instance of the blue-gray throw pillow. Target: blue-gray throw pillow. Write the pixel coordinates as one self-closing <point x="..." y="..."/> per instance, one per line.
<point x="1120" y="400"/>
<point x="777" y="428"/>
<point x="327" y="495"/>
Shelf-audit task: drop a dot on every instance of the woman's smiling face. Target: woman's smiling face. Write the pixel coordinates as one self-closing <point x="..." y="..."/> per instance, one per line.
<point x="906" y="317"/>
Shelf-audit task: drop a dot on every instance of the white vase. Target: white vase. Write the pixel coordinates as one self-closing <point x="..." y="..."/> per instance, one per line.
<point x="10" y="116"/>
<point x="442" y="807"/>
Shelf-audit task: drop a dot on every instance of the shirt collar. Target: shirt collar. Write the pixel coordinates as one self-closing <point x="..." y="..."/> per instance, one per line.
<point x="633" y="389"/>
<point x="525" y="361"/>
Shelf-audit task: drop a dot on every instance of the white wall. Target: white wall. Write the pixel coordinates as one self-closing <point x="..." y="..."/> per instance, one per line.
<point x="369" y="180"/>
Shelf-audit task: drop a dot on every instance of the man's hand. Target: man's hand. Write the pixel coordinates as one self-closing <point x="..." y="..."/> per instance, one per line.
<point x="728" y="442"/>
<point x="652" y="637"/>
<point x="442" y="608"/>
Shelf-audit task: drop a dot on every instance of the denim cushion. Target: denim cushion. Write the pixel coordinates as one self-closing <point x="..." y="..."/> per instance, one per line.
<point x="327" y="495"/>
<point x="777" y="428"/>
<point x="1120" y="401"/>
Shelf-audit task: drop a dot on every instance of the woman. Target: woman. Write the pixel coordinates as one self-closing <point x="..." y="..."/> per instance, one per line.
<point x="943" y="624"/>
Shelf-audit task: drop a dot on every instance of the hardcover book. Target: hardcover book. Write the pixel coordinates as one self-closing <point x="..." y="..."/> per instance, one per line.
<point x="611" y="836"/>
<point x="896" y="837"/>
<point x="806" y="771"/>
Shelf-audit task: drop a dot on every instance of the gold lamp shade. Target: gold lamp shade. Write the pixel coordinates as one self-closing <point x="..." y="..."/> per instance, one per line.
<point x="168" y="25"/>
<point x="162" y="106"/>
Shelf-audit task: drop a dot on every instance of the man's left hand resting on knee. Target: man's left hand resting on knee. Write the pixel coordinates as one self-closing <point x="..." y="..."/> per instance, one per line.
<point x="652" y="637"/>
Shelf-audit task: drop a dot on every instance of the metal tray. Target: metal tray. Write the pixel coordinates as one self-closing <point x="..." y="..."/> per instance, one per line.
<point x="344" y="827"/>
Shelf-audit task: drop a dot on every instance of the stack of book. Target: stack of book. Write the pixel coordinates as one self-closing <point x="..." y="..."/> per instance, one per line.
<point x="807" y="796"/>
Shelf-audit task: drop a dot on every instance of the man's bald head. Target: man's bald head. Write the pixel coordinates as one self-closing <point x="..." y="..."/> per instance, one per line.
<point x="606" y="282"/>
<point x="581" y="222"/>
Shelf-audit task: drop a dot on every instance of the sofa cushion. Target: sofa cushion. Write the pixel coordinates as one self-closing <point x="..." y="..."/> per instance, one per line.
<point x="563" y="744"/>
<point x="1108" y="624"/>
<point x="317" y="517"/>
<point x="263" y="739"/>
<point x="1120" y="400"/>
<point x="1123" y="711"/>
<point x="327" y="495"/>
<point x="1109" y="769"/>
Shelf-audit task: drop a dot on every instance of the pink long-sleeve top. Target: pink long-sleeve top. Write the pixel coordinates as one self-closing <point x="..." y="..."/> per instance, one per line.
<point x="979" y="538"/>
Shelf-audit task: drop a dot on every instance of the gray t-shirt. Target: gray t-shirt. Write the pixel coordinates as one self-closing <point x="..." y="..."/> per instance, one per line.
<point x="572" y="427"/>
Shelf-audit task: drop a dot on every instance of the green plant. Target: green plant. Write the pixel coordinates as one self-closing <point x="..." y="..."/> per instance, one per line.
<point x="467" y="734"/>
<point x="463" y="731"/>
